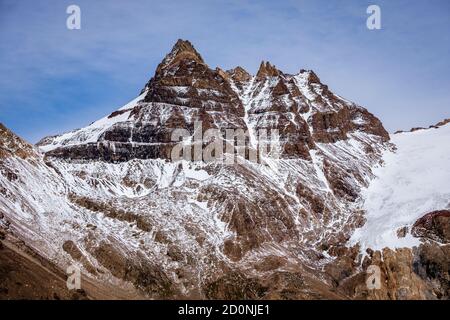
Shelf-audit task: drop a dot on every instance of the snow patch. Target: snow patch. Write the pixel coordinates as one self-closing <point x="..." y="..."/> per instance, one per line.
<point x="414" y="180"/>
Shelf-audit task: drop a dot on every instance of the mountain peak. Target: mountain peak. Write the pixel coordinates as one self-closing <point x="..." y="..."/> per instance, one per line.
<point x="267" y="70"/>
<point x="183" y="45"/>
<point x="239" y="74"/>
<point x="182" y="50"/>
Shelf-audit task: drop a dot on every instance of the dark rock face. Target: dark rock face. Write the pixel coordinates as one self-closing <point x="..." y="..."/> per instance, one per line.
<point x="434" y="225"/>
<point x="235" y="286"/>
<point x="147" y="277"/>
<point x="24" y="279"/>
<point x="330" y="127"/>
<point x="405" y="274"/>
<point x="432" y="263"/>
<point x="279" y="285"/>
<point x="402" y="232"/>
<point x="112" y="151"/>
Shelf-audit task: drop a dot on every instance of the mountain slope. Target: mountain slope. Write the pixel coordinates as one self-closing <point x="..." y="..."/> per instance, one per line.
<point x="110" y="198"/>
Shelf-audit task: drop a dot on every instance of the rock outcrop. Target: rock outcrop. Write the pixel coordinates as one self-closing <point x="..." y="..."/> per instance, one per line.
<point x="434" y="226"/>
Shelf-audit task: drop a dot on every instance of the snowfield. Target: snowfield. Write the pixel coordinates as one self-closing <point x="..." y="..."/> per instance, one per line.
<point x="92" y="133"/>
<point x="414" y="180"/>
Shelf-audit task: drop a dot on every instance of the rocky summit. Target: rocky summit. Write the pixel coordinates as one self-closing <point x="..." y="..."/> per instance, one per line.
<point x="110" y="199"/>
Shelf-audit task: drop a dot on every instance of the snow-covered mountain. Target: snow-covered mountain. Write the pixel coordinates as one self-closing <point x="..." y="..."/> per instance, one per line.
<point x="109" y="197"/>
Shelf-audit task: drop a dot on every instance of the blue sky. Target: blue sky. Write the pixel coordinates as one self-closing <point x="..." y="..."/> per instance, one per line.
<point x="53" y="79"/>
